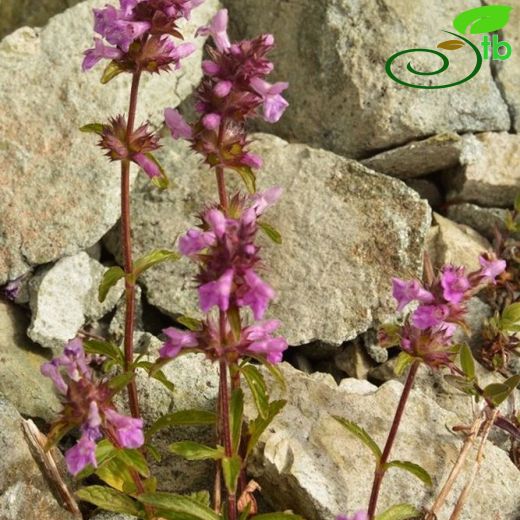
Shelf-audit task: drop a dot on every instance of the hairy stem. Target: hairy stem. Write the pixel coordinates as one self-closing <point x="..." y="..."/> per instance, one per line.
<point x="126" y="241"/>
<point x="380" y="468"/>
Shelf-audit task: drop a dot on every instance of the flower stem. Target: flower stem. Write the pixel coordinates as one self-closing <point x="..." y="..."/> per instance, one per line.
<point x="380" y="468"/>
<point x="126" y="240"/>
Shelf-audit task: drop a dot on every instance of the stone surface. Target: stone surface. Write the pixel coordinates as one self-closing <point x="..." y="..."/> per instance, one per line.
<point x="43" y="89"/>
<point x="112" y="516"/>
<point x="20" y="360"/>
<point x="333" y="54"/>
<point x="508" y="71"/>
<point x="427" y="190"/>
<point x="16" y="13"/>
<point x="65" y="296"/>
<point x="24" y="490"/>
<point x="346" y="232"/>
<point x="307" y="462"/>
<point x="354" y="361"/>
<point x="457" y="244"/>
<point x="483" y="220"/>
<point x="490" y="170"/>
<point x="419" y="158"/>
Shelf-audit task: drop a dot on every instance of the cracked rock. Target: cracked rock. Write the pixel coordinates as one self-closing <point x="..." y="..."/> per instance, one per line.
<point x="51" y="156"/>
<point x="65" y="296"/>
<point x="333" y="53"/>
<point x="346" y="231"/>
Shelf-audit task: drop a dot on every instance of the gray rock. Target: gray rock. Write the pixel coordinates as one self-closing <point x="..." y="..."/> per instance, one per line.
<point x="333" y="54"/>
<point x="346" y="229"/>
<point x="490" y="170"/>
<point x="65" y="296"/>
<point x="20" y="361"/>
<point x="51" y="156"/>
<point x="371" y="344"/>
<point x="427" y="190"/>
<point x="307" y="462"/>
<point x="117" y="324"/>
<point x="16" y="13"/>
<point x="24" y="491"/>
<point x="112" y="516"/>
<point x="357" y="386"/>
<point x="419" y="158"/>
<point x="457" y="244"/>
<point x="507" y="73"/>
<point x="354" y="361"/>
<point x="483" y="220"/>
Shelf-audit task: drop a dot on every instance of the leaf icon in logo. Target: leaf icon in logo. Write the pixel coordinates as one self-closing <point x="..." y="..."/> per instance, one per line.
<point x="451" y="45"/>
<point x="482" y="19"/>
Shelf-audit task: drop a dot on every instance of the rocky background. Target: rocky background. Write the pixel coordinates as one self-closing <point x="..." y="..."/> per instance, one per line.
<point x="373" y="173"/>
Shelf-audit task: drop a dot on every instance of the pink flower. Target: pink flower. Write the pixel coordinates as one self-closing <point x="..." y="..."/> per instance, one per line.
<point x="429" y="316"/>
<point x="274" y="103"/>
<point x="195" y="241"/>
<point x="177" y="340"/>
<point x="491" y="268"/>
<point x="218" y="30"/>
<point x="360" y="515"/>
<point x="129" y="430"/>
<point x="178" y="126"/>
<point x="257" y="296"/>
<point x="81" y="455"/>
<point x="265" y="199"/>
<point x="99" y="52"/>
<point x="407" y="291"/>
<point x="217" y="292"/>
<point x="222" y="88"/>
<point x="262" y="342"/>
<point x="252" y="160"/>
<point x="150" y="167"/>
<point x="454" y="283"/>
<point x="211" y="121"/>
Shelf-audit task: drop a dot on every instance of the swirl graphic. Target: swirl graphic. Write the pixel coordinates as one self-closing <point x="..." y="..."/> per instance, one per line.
<point x="444" y="66"/>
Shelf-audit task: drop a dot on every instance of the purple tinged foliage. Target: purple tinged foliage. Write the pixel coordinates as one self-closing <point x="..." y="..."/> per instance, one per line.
<point x="88" y="406"/>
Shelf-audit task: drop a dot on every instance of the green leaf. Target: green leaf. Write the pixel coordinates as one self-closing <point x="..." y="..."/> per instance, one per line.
<point x="257" y="426"/>
<point x="121" y="381"/>
<point x="412" y="468"/>
<point x="480" y="20"/>
<point x="105" y="452"/>
<point x="112" y="70"/>
<point x="155" y="257"/>
<point x="110" y="278"/>
<point x="278" y="516"/>
<point x="236" y="417"/>
<point x="256" y="383"/>
<point x="202" y="497"/>
<point x="160" y="376"/>
<point x="190" y="323"/>
<point x="104" y="348"/>
<point x="275" y="372"/>
<point x="233" y="315"/>
<point x="510" y="319"/>
<point x="517" y="203"/>
<point x="497" y="393"/>
<point x="183" y="418"/>
<point x="361" y="434"/>
<point x="195" y="451"/>
<point x="154" y="452"/>
<point x="109" y="499"/>
<point x="179" y="504"/>
<point x="134" y="459"/>
<point x="399" y="512"/>
<point x="462" y="384"/>
<point x="116" y="474"/>
<point x="402" y="362"/>
<point x="467" y="362"/>
<point x="93" y="128"/>
<point x="162" y="182"/>
<point x="231" y="467"/>
<point x="248" y="177"/>
<point x="271" y="232"/>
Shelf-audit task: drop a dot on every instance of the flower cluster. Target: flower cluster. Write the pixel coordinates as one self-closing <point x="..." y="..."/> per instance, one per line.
<point x="225" y="249"/>
<point x="139" y="35"/>
<point x="232" y="90"/>
<point x="428" y="331"/>
<point x="88" y="406"/>
<point x="360" y="515"/>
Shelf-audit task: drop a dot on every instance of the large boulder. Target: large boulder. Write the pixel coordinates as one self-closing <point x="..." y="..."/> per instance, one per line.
<point x="306" y="461"/>
<point x="346" y="231"/>
<point x="59" y="193"/>
<point x="333" y="53"/>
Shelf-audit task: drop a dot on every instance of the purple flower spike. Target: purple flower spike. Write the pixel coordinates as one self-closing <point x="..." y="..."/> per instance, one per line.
<point x="274" y="103"/>
<point x="178" y="126"/>
<point x="151" y="168"/>
<point x="360" y="515"/>
<point x="218" y="30"/>
<point x="258" y="295"/>
<point x="211" y="121"/>
<point x="99" y="52"/>
<point x="177" y="340"/>
<point x="52" y="371"/>
<point x="428" y="316"/>
<point x="454" y="284"/>
<point x="263" y="343"/>
<point x="81" y="455"/>
<point x="129" y="430"/>
<point x="407" y="291"/>
<point x="217" y="292"/>
<point x="195" y="241"/>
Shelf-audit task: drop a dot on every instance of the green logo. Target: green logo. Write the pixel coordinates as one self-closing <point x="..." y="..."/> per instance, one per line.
<point x="481" y="20"/>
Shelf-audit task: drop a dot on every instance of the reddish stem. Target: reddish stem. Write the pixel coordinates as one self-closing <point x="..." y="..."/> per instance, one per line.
<point x="126" y="240"/>
<point x="380" y="468"/>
